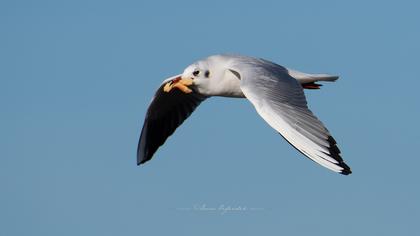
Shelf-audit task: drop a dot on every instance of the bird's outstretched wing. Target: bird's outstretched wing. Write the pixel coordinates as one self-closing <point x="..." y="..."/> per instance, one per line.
<point x="167" y="111"/>
<point x="281" y="102"/>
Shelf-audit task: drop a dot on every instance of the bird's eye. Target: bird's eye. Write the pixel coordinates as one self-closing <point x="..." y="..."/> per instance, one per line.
<point x="195" y="73"/>
<point x="207" y="74"/>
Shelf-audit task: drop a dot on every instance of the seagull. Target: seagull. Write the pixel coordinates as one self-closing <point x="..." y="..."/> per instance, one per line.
<point x="275" y="91"/>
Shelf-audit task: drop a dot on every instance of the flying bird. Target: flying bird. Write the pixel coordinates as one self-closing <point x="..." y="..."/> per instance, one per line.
<point x="275" y="91"/>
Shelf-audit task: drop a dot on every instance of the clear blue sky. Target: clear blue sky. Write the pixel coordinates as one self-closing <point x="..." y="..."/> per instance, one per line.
<point x="76" y="78"/>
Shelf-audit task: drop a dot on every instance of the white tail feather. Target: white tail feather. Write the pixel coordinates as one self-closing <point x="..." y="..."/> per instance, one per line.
<point x="308" y="78"/>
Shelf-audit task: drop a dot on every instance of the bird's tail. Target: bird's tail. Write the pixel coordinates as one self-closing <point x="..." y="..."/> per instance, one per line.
<point x="308" y="80"/>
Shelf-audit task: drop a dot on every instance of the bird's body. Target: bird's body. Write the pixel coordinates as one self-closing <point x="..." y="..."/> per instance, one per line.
<point x="275" y="91"/>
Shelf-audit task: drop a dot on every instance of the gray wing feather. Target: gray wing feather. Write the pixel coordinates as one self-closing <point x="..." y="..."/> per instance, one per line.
<point x="281" y="102"/>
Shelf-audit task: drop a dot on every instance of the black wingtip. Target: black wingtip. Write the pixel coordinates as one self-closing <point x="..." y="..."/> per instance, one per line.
<point x="335" y="153"/>
<point x="141" y="159"/>
<point x="346" y="170"/>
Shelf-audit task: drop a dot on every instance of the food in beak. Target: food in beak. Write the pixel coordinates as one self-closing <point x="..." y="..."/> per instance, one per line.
<point x="181" y="84"/>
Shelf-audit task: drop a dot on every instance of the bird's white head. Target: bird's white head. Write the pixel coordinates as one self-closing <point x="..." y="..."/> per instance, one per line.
<point x="213" y="77"/>
<point x="202" y="74"/>
<point x="199" y="72"/>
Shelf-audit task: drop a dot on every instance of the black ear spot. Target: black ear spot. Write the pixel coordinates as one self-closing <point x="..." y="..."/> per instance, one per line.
<point x="235" y="73"/>
<point x="207" y="74"/>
